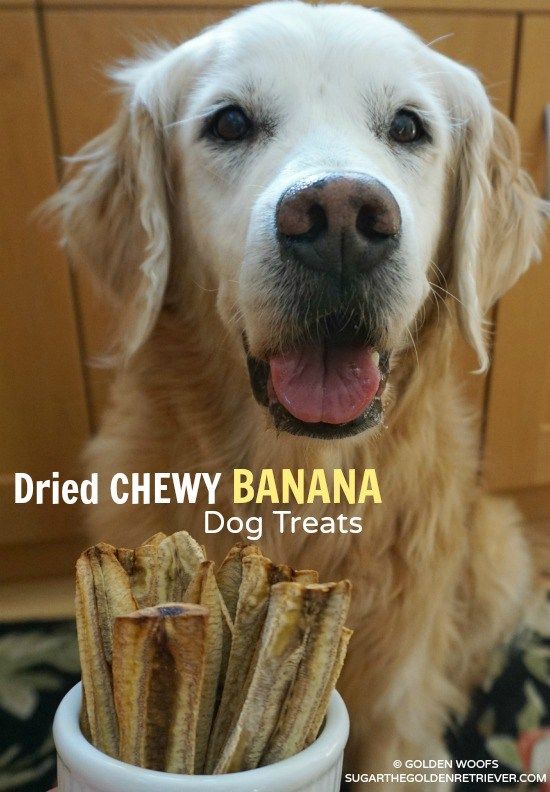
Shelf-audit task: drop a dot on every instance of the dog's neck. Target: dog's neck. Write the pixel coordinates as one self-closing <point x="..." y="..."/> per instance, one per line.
<point x="211" y="423"/>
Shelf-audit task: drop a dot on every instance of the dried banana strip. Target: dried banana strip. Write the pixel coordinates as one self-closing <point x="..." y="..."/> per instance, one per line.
<point x="230" y="575"/>
<point x="203" y="590"/>
<point x="113" y="591"/>
<point x="179" y="557"/>
<point x="102" y="593"/>
<point x="259" y="574"/>
<point x="100" y="718"/>
<point x="321" y="710"/>
<point x="327" y="606"/>
<point x="280" y="651"/>
<point x="155" y="539"/>
<point x="141" y="567"/>
<point x="158" y="671"/>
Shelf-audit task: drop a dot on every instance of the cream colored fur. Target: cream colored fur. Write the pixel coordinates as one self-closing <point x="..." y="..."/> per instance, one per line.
<point x="441" y="570"/>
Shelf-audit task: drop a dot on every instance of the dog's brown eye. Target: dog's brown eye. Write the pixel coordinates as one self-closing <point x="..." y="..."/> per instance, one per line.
<point x="406" y="127"/>
<point x="231" y="124"/>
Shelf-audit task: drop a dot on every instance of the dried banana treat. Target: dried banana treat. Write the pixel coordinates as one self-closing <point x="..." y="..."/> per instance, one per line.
<point x="141" y="567"/>
<point x="158" y="672"/>
<point x="327" y="608"/>
<point x="230" y="574"/>
<point x="229" y="577"/>
<point x="203" y="590"/>
<point x="190" y="671"/>
<point x="280" y="651"/>
<point x="259" y="574"/>
<point x="103" y="592"/>
<point x="321" y="710"/>
<point x="179" y="557"/>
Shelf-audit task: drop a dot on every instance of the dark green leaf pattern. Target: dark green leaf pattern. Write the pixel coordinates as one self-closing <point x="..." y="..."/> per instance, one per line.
<point x="513" y="701"/>
<point x="38" y="664"/>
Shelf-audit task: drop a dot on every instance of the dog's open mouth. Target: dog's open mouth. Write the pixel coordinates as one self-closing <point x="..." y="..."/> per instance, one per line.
<point x="329" y="387"/>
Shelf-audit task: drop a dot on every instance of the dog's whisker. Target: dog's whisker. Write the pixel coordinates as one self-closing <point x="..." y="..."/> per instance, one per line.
<point x="183" y="121"/>
<point x="203" y="288"/>
<point x="449" y="294"/>
<point x="436" y="302"/>
<point x="414" y="347"/>
<point x="497" y="84"/>
<point x="441" y="298"/>
<point x="438" y="299"/>
<point x="436" y="40"/>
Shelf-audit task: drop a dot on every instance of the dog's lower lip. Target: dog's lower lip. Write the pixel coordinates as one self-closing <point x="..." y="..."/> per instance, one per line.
<point x="286" y="422"/>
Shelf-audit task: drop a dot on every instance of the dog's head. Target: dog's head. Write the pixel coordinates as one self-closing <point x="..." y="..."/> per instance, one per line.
<point x="324" y="169"/>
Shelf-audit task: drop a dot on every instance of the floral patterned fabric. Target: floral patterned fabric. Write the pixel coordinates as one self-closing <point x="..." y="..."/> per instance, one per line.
<point x="38" y="664"/>
<point x="509" y="720"/>
<point x="510" y="717"/>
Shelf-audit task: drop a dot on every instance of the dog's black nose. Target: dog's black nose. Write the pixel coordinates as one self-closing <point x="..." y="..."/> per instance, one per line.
<point x="338" y="224"/>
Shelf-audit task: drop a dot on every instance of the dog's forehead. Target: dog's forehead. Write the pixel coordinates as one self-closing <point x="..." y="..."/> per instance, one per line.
<point x="321" y="25"/>
<point x="295" y="43"/>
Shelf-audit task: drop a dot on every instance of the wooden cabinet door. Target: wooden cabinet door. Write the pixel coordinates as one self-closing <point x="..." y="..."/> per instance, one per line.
<point x="42" y="406"/>
<point x="518" y="421"/>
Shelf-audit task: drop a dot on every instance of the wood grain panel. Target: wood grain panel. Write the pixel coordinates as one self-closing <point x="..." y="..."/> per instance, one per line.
<point x="492" y="6"/>
<point x="518" y="430"/>
<point x="18" y="600"/>
<point x="52" y="557"/>
<point x="486" y="42"/>
<point x="81" y="46"/>
<point x="42" y="407"/>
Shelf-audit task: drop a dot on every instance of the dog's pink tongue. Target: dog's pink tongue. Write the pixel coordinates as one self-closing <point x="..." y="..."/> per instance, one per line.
<point x="324" y="383"/>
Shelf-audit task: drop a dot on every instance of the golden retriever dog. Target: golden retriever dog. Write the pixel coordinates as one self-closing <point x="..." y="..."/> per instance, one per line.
<point x="291" y="215"/>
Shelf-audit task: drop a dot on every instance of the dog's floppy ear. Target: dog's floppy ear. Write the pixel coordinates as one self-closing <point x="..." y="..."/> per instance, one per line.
<point x="114" y="215"/>
<point x="498" y="215"/>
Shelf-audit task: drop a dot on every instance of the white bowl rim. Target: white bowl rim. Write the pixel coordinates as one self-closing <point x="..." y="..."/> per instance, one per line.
<point x="100" y="770"/>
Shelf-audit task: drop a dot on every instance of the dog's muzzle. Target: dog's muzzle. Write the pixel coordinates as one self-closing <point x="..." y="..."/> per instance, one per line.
<point x="326" y="378"/>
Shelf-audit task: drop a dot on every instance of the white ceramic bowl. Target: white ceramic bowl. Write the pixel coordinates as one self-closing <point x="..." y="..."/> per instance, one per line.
<point x="82" y="768"/>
